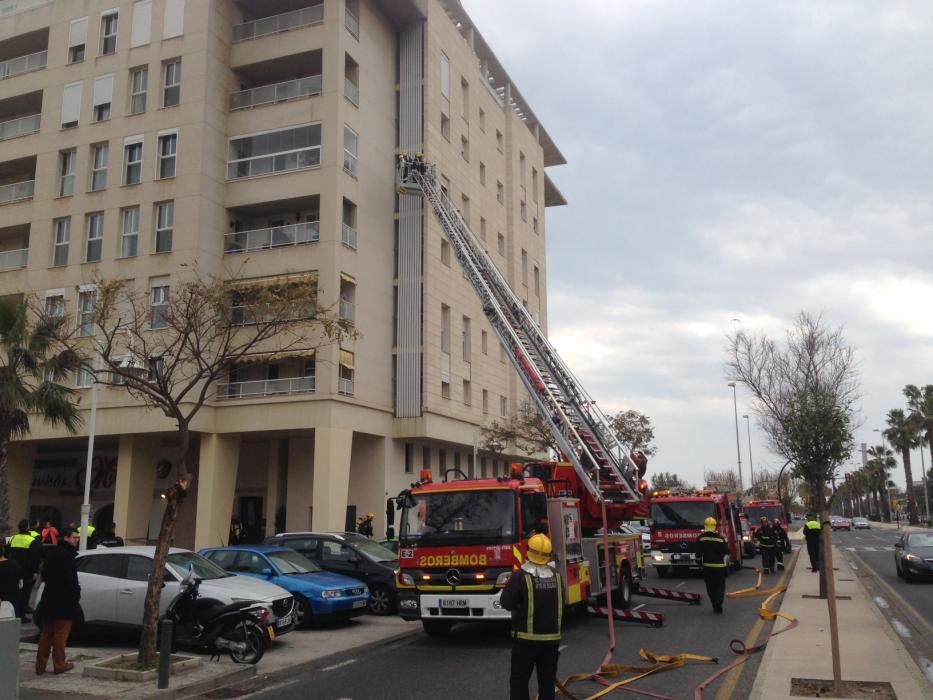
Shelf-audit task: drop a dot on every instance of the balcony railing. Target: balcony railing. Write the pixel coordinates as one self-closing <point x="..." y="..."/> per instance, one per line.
<point x="351" y="91"/>
<point x="348" y="236"/>
<point x="17" y="191"/>
<point x="275" y="163"/>
<point x="352" y="23"/>
<point x="345" y="386"/>
<point x="257" y="313"/>
<point x="19" y="127"/>
<point x="349" y="162"/>
<point x="347" y="310"/>
<point x="278" y="23"/>
<point x="23" y="64"/>
<point x="265" y="387"/>
<point x="276" y="92"/>
<point x="274" y="237"/>
<point x="13" y="259"/>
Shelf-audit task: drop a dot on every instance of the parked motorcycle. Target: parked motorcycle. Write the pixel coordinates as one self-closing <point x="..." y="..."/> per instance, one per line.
<point x="213" y="627"/>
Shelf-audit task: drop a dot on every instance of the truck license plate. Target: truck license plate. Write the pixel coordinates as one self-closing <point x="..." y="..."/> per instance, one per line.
<point x="676" y="557"/>
<point x="453" y="603"/>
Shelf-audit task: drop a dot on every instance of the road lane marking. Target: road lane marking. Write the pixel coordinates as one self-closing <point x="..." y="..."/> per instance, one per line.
<point x="340" y="665"/>
<point x="869" y="549"/>
<point x="638" y="607"/>
<point x="851" y="549"/>
<point x="881" y="602"/>
<point x="900" y="628"/>
<point x="913" y="615"/>
<point x="680" y="584"/>
<point x="853" y="565"/>
<point x="270" y="688"/>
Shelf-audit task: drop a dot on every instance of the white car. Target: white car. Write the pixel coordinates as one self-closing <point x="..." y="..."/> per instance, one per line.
<point x="861" y="524"/>
<point x="114" y="581"/>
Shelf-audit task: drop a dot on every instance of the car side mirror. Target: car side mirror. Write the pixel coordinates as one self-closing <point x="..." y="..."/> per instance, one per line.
<point x="267" y="572"/>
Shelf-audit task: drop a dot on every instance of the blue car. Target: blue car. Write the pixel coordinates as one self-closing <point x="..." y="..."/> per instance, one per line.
<point x="319" y="595"/>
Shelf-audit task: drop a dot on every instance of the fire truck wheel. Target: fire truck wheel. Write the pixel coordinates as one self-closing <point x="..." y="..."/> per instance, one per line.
<point x="662" y="571"/>
<point x="625" y="589"/>
<point x="437" y="628"/>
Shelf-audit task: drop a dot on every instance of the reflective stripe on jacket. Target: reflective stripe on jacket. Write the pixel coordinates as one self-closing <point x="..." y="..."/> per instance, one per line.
<point x="22" y="540"/>
<point x="537" y="604"/>
<point x="713" y="549"/>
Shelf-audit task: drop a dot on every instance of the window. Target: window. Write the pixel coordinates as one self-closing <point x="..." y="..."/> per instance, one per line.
<point x="503" y="406"/>
<point x="87" y="304"/>
<point x="168" y="144"/>
<point x="521" y="168"/>
<point x="464" y="99"/>
<point x="100" y="155"/>
<point x="274" y="151"/>
<point x="445" y="253"/>
<point x="445" y="185"/>
<point x="84" y="378"/>
<point x="485" y="401"/>
<point x="484" y="342"/>
<point x="108" y="33"/>
<point x="445" y="328"/>
<point x="66" y="161"/>
<point x="500" y="244"/>
<point x="95" y="237"/>
<point x="173" y="23"/>
<point x="103" y="95"/>
<point x="445" y="126"/>
<point x="534" y="185"/>
<point x="465" y="208"/>
<point x="445" y="389"/>
<point x="499" y="140"/>
<point x="71" y="105"/>
<point x="55" y="305"/>
<point x="467" y="340"/>
<point x="159" y="306"/>
<point x="501" y="352"/>
<point x="534" y="224"/>
<point x="351" y="80"/>
<point x="537" y="281"/>
<point x="62" y="229"/>
<point x="345" y="378"/>
<point x="77" y="38"/>
<point x="500" y="192"/>
<point x="482" y="228"/>
<point x="524" y="267"/>
<point x="348" y="228"/>
<point x="133" y="163"/>
<point x="350" y="149"/>
<point x="142" y="23"/>
<point x="482" y="173"/>
<point x="482" y="120"/>
<point x="129" y="236"/>
<point x="467" y="393"/>
<point x="164" y="226"/>
<point x="445" y="75"/>
<point x="524" y="210"/>
<point x="139" y="84"/>
<point x="171" y="85"/>
<point x="409" y="458"/>
<point x="465" y="148"/>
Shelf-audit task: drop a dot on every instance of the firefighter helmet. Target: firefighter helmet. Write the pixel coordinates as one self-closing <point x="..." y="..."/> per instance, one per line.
<point x="709" y="523"/>
<point x="539" y="549"/>
<point x="370" y="516"/>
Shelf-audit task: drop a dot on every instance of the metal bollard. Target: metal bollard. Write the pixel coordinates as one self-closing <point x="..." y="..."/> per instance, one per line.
<point x="165" y="654"/>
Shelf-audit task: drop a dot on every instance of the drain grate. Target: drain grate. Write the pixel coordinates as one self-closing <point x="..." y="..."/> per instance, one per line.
<point x="838" y="597"/>
<point x="855" y="690"/>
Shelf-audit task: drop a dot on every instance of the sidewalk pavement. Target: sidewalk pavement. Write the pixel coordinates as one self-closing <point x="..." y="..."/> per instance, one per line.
<point x="869" y="648"/>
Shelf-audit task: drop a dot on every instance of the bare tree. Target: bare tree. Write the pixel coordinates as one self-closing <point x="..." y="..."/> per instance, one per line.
<point x="634" y="430"/>
<point x="525" y="430"/>
<point x="722" y="479"/>
<point x="169" y="351"/>
<point x="661" y="481"/>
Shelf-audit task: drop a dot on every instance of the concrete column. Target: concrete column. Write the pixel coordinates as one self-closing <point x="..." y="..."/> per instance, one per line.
<point x="368" y="478"/>
<point x="136" y="474"/>
<point x="300" y="484"/>
<point x="275" y="482"/>
<point x="217" y="471"/>
<point x="332" y="451"/>
<point x="20" y="459"/>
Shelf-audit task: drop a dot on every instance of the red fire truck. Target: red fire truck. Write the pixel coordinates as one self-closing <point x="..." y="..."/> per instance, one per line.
<point x="754" y="511"/>
<point x="677" y="521"/>
<point x="460" y="540"/>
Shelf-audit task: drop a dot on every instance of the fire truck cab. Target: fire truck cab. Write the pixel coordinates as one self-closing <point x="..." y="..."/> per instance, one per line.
<point x="754" y="511"/>
<point x="677" y="521"/>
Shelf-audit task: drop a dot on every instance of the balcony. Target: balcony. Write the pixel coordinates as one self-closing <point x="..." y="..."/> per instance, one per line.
<point x="351" y="22"/>
<point x="347" y="310"/>
<point x="23" y="64"/>
<point x="13" y="259"/>
<point x="265" y="387"/>
<point x="348" y="236"/>
<point x="272" y="237"/>
<point x="17" y="191"/>
<point x="21" y="126"/>
<point x="345" y="386"/>
<point x="351" y="91"/>
<point x="276" y="92"/>
<point x="14" y="247"/>
<point x="273" y="24"/>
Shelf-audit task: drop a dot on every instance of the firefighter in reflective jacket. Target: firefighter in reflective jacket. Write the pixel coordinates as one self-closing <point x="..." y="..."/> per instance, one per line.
<point x="713" y="549"/>
<point x="26" y="548"/>
<point x="534" y="595"/>
<point x="812" y="532"/>
<point x="767" y="543"/>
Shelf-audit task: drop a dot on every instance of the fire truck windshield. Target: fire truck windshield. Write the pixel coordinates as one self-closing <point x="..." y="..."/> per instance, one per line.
<point x="670" y="515"/>
<point x="466" y="517"/>
<point x="756" y="513"/>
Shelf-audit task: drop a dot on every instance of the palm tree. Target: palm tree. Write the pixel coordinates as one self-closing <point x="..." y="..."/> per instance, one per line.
<point x="903" y="433"/>
<point x="920" y="403"/>
<point x="880" y="464"/>
<point x="33" y="360"/>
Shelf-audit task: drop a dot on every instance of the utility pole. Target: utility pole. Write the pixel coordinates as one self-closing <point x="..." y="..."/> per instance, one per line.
<point x="738" y="448"/>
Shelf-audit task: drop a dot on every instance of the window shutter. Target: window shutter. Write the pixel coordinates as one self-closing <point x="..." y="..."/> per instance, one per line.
<point x="142" y="23"/>
<point x="71" y="103"/>
<point x="346" y="359"/>
<point x="174" y="21"/>
<point x="103" y="90"/>
<point x="77" y="33"/>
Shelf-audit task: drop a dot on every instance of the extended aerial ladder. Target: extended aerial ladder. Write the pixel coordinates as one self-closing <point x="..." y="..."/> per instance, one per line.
<point x="581" y="431"/>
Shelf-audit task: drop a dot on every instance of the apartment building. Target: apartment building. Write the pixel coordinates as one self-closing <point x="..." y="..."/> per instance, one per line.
<point x="257" y="139"/>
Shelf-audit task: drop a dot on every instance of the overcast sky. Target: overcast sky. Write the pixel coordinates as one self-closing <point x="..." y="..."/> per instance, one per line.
<point x="730" y="160"/>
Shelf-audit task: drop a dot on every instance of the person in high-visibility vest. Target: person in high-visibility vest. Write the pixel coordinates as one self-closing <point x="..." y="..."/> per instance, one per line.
<point x="26" y="548"/>
<point x="812" y="531"/>
<point x="713" y="550"/>
<point x="534" y="595"/>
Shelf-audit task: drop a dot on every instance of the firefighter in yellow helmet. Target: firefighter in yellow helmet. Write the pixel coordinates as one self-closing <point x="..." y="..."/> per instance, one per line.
<point x="534" y="595"/>
<point x="366" y="526"/>
<point x="713" y="550"/>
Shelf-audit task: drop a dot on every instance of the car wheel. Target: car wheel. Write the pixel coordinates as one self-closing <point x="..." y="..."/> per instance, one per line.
<point x="381" y="600"/>
<point x="436" y="628"/>
<point x="303" y="612"/>
<point x="909" y="577"/>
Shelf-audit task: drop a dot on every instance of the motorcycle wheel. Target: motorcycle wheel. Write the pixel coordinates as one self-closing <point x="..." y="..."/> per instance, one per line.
<point x="255" y="639"/>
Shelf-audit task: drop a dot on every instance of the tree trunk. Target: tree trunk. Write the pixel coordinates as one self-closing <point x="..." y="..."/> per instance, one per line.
<point x="174" y="498"/>
<point x="885" y="501"/>
<point x="828" y="576"/>
<point x="5" y="527"/>
<point x="911" y="500"/>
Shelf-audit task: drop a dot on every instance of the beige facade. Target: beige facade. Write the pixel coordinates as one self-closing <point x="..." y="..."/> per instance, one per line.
<point x="256" y="138"/>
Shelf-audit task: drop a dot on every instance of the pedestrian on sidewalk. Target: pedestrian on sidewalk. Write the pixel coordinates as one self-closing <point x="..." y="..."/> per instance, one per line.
<point x="767" y="543"/>
<point x="782" y="542"/>
<point x="713" y="549"/>
<point x="11" y="578"/>
<point x="59" y="605"/>
<point x="812" y="531"/>
<point x="534" y="595"/>
<point x="49" y="533"/>
<point x="26" y="549"/>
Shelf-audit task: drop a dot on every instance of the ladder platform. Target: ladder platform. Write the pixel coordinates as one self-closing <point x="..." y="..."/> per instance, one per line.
<point x="668" y="594"/>
<point x="654" y="619"/>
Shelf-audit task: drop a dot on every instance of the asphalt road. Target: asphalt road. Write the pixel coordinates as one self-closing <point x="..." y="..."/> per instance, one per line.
<point x="474" y="660"/>
<point x="907" y="606"/>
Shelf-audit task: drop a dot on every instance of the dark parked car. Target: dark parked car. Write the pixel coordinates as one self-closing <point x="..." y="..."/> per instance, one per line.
<point x="350" y="554"/>
<point x="913" y="555"/>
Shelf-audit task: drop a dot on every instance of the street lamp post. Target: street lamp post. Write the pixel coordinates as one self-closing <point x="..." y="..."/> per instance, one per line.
<point x="751" y="462"/>
<point x="926" y="489"/>
<point x="91" y="428"/>
<point x="738" y="448"/>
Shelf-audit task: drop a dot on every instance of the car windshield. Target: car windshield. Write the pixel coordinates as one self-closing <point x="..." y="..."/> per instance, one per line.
<point x="291" y="563"/>
<point x="920" y="539"/>
<point x="375" y="551"/>
<point x="756" y="513"/>
<point x="182" y="562"/>
<point x="681" y="514"/>
<point x="451" y="517"/>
